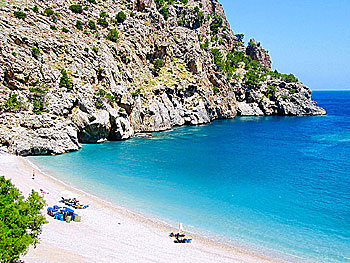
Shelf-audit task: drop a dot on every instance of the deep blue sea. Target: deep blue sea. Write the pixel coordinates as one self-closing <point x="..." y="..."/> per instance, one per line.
<point x="276" y="184"/>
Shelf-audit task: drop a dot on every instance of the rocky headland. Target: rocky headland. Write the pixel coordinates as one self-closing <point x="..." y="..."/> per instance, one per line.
<point x="93" y="70"/>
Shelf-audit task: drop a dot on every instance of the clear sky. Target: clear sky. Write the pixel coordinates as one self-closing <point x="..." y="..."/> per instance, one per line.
<point x="309" y="38"/>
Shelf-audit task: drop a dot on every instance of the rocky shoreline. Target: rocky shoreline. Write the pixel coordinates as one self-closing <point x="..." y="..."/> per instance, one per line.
<point x="98" y="71"/>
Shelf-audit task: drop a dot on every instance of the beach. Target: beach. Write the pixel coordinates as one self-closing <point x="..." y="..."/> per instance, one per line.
<point x="109" y="233"/>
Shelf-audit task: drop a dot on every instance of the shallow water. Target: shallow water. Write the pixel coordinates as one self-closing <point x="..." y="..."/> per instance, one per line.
<point x="281" y="183"/>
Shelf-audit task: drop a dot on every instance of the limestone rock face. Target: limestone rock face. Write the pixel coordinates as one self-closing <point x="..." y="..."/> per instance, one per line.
<point x="288" y="99"/>
<point x="65" y="82"/>
<point x="256" y="52"/>
<point x="37" y="135"/>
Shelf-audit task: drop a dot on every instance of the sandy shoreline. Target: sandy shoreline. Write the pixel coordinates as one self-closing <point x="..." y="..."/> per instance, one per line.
<point x="110" y="233"/>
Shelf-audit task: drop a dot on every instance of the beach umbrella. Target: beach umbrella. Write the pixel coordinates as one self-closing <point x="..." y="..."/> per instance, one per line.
<point x="181" y="228"/>
<point x="69" y="194"/>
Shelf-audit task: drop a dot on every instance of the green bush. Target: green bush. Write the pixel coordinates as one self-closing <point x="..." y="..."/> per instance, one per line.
<point x="218" y="59"/>
<point x="101" y="92"/>
<point x="77" y="9"/>
<point x="216" y="24"/>
<point x="104" y="14"/>
<point x="136" y="92"/>
<point x="49" y="12"/>
<point x="14" y="53"/>
<point x="79" y="25"/>
<point x="158" y="64"/>
<point x="40" y="89"/>
<point x="102" y="22"/>
<point x="91" y="25"/>
<point x="36" y="9"/>
<point x="289" y="78"/>
<point x="19" y="15"/>
<point x="64" y="30"/>
<point x="252" y="78"/>
<point x="110" y="98"/>
<point x="39" y="106"/>
<point x="240" y="37"/>
<point x="53" y="27"/>
<point x="120" y="17"/>
<point x="92" y="1"/>
<point x="35" y="52"/>
<point x="21" y="221"/>
<point x="12" y="104"/>
<point x="165" y="12"/>
<point x="65" y="82"/>
<point x="113" y="35"/>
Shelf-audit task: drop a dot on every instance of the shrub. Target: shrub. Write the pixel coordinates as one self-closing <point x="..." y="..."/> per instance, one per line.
<point x="216" y="24"/>
<point x="39" y="106"/>
<point x="19" y="15"/>
<point x="91" y="25"/>
<point x="79" y="25"/>
<point x="36" y="9"/>
<point x="104" y="14"/>
<point x="289" y="78"/>
<point x="49" y="12"/>
<point x="77" y="9"/>
<point x="40" y="90"/>
<point x="14" y="53"/>
<point x="92" y="1"/>
<point x="64" y="30"/>
<point x="113" y="35"/>
<point x="165" y="12"/>
<point x="35" y="52"/>
<point x="120" y="17"/>
<point x="158" y="64"/>
<point x="102" y="22"/>
<point x="218" y="59"/>
<point x="53" y="27"/>
<point x="240" y="37"/>
<point x="13" y="104"/>
<point x="110" y="98"/>
<point x="136" y="92"/>
<point x="65" y="82"/>
<point x="252" y="79"/>
<point x="21" y="221"/>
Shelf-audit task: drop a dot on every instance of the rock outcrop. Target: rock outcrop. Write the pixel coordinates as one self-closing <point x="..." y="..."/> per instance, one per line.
<point x="102" y="71"/>
<point x="256" y="52"/>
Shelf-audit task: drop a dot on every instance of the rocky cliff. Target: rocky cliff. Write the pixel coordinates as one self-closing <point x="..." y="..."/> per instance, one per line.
<point x="91" y="71"/>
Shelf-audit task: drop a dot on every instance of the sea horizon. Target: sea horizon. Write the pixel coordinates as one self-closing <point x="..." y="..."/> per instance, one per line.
<point x="240" y="181"/>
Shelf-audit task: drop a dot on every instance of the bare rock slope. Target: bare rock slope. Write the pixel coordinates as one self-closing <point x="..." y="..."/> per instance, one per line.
<point x="92" y="71"/>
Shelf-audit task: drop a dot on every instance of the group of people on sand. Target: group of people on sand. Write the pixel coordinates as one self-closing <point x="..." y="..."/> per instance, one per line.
<point x="180" y="237"/>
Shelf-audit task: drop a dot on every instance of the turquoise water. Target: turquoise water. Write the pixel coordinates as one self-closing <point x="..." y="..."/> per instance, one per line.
<point x="281" y="183"/>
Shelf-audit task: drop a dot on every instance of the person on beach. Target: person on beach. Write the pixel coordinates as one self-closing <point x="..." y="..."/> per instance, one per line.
<point x="33" y="175"/>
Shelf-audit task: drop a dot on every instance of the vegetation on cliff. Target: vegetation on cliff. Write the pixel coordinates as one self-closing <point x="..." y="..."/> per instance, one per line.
<point x="160" y="63"/>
